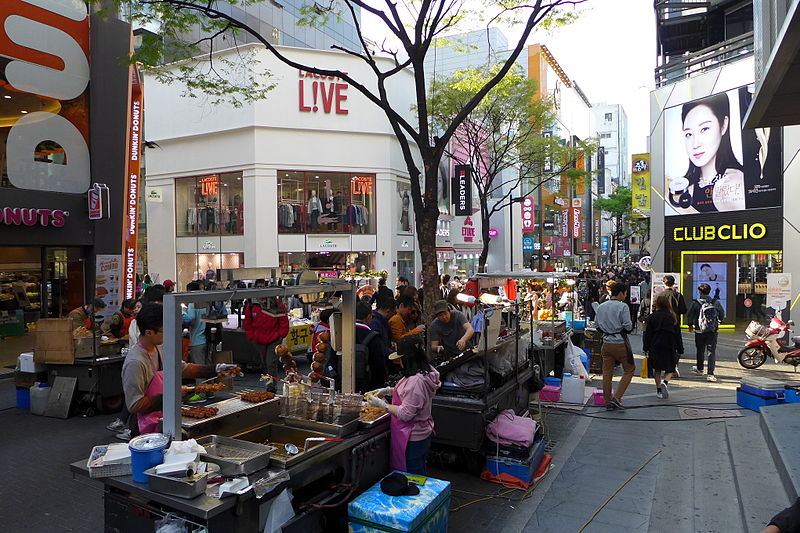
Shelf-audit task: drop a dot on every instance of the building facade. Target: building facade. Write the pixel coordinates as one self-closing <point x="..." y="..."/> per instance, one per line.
<point x="721" y="202"/>
<point x="310" y="177"/>
<point x="611" y="123"/>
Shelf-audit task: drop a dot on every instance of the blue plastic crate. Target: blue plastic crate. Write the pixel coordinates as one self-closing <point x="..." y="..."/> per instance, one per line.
<point x="522" y="470"/>
<point x="754" y="402"/>
<point x="578" y="325"/>
<point x="24" y="399"/>
<point x="556" y="382"/>
<point x="426" y="512"/>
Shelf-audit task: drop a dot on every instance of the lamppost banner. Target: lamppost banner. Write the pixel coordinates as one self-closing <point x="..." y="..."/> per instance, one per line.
<point x="640" y="185"/>
<point x="462" y="190"/>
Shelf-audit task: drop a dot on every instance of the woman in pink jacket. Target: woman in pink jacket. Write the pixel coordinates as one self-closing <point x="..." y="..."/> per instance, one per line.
<point x="411" y="422"/>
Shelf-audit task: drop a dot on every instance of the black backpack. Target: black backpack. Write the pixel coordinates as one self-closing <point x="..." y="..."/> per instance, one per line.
<point x="362" y="356"/>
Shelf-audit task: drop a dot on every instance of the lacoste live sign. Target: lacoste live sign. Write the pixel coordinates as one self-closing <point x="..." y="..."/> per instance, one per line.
<point x="723" y="232"/>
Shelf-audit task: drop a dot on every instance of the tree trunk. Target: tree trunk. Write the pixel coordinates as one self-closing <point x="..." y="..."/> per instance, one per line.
<point x="485" y="237"/>
<point x="426" y="220"/>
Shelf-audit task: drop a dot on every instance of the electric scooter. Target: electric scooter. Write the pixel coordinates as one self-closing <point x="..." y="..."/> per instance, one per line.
<point x="767" y="341"/>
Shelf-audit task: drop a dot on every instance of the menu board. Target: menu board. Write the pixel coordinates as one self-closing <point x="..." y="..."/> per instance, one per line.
<point x="107" y="284"/>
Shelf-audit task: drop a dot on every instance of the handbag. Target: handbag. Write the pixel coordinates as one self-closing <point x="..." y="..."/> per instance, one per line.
<point x="645" y="368"/>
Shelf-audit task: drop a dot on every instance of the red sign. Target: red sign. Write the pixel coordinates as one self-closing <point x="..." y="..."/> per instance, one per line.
<point x="468" y="233"/>
<point x="31" y="216"/>
<point x="576" y="222"/>
<point x="209" y="185"/>
<point x="748" y="302"/>
<point x="95" y="204"/>
<point x="130" y="226"/>
<point x="325" y="93"/>
<point x="361" y="184"/>
<point x="528" y="220"/>
<point x="328" y="274"/>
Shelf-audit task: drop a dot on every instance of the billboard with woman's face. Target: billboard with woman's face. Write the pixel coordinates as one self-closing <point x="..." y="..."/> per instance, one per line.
<point x="712" y="165"/>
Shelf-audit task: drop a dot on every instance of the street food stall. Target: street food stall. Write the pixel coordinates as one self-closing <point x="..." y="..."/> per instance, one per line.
<point x="309" y="439"/>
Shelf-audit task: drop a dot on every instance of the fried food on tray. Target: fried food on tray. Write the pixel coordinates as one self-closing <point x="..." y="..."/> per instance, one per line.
<point x="371" y="412"/>
<point x="199" y="412"/>
<point x="235" y="371"/>
<point x="319" y="357"/>
<point x="209" y="387"/>
<point x="81" y="332"/>
<point x="257" y="396"/>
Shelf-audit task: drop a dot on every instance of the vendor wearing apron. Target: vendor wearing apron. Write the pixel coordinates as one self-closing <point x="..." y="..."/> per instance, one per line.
<point x="143" y="374"/>
<point x="82" y="316"/>
<point x="411" y="420"/>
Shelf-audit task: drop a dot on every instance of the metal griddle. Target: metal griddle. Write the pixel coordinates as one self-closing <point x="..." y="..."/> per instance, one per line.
<point x="277" y="435"/>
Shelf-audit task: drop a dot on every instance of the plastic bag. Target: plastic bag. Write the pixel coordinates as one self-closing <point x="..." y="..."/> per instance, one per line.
<point x="184" y="446"/>
<point x="645" y="365"/>
<point x="171" y="524"/>
<point x="572" y="354"/>
<point x="279" y="511"/>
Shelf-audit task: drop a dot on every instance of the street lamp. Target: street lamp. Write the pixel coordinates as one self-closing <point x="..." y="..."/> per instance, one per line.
<point x="516" y="200"/>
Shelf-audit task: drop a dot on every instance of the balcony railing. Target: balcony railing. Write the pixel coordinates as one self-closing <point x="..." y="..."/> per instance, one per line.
<point x="686" y="66"/>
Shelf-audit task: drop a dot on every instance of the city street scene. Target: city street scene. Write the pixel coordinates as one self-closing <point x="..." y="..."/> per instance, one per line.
<point x="421" y="266"/>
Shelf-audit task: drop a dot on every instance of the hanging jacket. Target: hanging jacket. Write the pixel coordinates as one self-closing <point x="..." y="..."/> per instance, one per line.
<point x="262" y="327"/>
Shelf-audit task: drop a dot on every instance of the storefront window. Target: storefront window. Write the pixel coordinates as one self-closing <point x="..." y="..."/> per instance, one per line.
<point x="209" y="205"/>
<point x="327" y="263"/>
<point x="405" y="265"/>
<point x="192" y="267"/>
<point x="326" y="202"/>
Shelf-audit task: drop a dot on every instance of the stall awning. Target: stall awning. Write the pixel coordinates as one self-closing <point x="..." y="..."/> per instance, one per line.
<point x="775" y="101"/>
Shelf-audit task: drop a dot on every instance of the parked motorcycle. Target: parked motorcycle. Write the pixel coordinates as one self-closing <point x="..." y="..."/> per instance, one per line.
<point x="769" y="341"/>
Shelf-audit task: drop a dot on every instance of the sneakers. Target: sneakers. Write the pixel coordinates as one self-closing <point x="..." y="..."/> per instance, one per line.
<point x="677" y="372"/>
<point x="614" y="405"/>
<point x="712" y="378"/>
<point x="696" y="371"/>
<point x="124" y="435"/>
<point x="116" y="425"/>
<point x="664" y="390"/>
<point x="659" y="395"/>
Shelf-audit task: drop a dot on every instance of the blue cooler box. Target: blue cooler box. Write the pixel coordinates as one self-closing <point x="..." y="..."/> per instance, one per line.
<point x="522" y="470"/>
<point x="792" y="395"/>
<point x="755" y="402"/>
<point x="426" y="512"/>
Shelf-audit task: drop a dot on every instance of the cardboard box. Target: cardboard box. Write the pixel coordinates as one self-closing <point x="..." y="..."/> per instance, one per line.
<point x="54" y="341"/>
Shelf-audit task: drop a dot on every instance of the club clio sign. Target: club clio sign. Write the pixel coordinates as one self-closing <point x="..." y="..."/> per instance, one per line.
<point x="317" y="93"/>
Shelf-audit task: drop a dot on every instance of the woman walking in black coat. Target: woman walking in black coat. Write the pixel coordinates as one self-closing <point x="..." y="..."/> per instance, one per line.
<point x="662" y="340"/>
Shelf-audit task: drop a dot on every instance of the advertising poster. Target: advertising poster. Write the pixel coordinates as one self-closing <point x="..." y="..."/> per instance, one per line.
<point x="462" y="190"/>
<point x="657" y="284"/>
<point x="640" y="185"/>
<point x="636" y="295"/>
<point x="107" y="283"/>
<point x="711" y="165"/>
<point x="779" y="290"/>
<point x="528" y="220"/>
<point x="713" y="274"/>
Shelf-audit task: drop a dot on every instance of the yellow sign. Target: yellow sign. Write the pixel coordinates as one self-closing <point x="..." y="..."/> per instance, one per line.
<point x="640" y="185"/>
<point x="724" y="232"/>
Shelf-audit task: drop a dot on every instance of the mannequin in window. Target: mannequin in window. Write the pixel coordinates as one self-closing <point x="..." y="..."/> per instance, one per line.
<point x="405" y="199"/>
<point x="330" y="206"/>
<point x="314" y="210"/>
<point x="211" y="274"/>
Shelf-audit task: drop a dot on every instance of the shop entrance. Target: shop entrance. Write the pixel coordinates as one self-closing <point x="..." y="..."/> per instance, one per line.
<point x="738" y="279"/>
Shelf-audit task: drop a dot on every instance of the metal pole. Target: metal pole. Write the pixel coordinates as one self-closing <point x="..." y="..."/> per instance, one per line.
<point x="541" y="226"/>
<point x="173" y="367"/>
<point x="348" y="309"/>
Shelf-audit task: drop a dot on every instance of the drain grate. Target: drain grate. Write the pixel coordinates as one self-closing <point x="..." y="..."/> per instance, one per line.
<point x="550" y="445"/>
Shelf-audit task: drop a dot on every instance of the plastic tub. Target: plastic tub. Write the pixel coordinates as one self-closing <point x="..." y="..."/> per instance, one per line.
<point x="147" y="451"/>
<point x="572" y="388"/>
<point x="23" y="399"/>
<point x="40" y="394"/>
<point x="555" y="382"/>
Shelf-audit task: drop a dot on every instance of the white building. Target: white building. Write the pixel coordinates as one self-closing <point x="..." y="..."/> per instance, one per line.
<point x="611" y="123"/>
<point x="312" y="176"/>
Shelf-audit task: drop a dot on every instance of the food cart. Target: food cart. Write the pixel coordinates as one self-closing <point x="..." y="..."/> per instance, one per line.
<point x="330" y="465"/>
<point x="461" y="414"/>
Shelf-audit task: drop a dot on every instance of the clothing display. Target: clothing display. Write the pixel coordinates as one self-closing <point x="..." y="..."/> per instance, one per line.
<point x="290" y="216"/>
<point x="357" y="216"/>
<point x="210" y="220"/>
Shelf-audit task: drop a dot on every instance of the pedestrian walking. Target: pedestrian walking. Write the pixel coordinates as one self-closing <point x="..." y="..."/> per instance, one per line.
<point x="614" y="321"/>
<point x="679" y="306"/>
<point x="661" y="341"/>
<point x="703" y="317"/>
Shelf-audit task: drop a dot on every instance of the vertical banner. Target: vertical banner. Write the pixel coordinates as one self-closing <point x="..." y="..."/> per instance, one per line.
<point x="565" y="222"/>
<point x="132" y="184"/>
<point x="575" y="218"/>
<point x="601" y="170"/>
<point x="462" y="190"/>
<point x="528" y="219"/>
<point x="640" y="185"/>
<point x="107" y="283"/>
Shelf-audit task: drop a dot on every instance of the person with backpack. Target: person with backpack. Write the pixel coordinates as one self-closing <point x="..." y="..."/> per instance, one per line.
<point x="372" y="355"/>
<point x="703" y="318"/>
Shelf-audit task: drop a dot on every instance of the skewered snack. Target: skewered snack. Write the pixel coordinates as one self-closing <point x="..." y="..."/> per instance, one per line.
<point x="316" y="366"/>
<point x="235" y="371"/>
<point x="314" y="377"/>
<point x="199" y="412"/>
<point x="81" y="332"/>
<point x="325" y="336"/>
<point x="371" y="412"/>
<point x="257" y="396"/>
<point x="321" y="347"/>
<point x="319" y="357"/>
<point x="209" y="387"/>
<point x="281" y="349"/>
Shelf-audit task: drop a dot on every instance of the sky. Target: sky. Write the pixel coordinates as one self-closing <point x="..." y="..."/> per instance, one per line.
<point x="610" y="51"/>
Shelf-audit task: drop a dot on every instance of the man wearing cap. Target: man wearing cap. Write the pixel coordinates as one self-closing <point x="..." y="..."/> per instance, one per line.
<point x="450" y="331"/>
<point x="169" y="285"/>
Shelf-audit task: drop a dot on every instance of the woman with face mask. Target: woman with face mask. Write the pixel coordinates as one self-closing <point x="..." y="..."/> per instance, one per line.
<point x="714" y="180"/>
